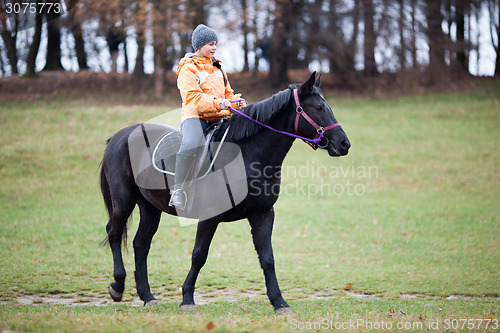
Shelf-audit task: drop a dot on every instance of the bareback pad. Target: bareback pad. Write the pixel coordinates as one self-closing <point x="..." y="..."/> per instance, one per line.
<point x="165" y="152"/>
<point x="220" y="183"/>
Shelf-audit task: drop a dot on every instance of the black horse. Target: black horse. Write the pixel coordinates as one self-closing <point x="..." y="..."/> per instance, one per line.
<point x="260" y="148"/>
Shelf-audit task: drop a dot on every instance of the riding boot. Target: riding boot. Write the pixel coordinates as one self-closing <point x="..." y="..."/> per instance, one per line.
<point x="184" y="165"/>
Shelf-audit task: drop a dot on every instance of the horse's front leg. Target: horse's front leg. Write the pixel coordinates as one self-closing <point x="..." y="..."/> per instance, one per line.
<point x="262" y="228"/>
<point x="204" y="235"/>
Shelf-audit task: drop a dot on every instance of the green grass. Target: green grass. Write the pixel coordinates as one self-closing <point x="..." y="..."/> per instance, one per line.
<point x="408" y="218"/>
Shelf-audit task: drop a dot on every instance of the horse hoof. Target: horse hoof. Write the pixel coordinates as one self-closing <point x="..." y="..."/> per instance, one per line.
<point x="115" y="295"/>
<point x="284" y="311"/>
<point x="188" y="307"/>
<point x="152" y="302"/>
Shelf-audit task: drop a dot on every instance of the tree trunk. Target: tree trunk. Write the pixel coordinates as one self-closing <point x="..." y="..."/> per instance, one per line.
<point x="414" y="34"/>
<point x="278" y="55"/>
<point x="401" y="23"/>
<point x="53" y="62"/>
<point x="76" y="30"/>
<point x="437" y="66"/>
<point x="244" y="28"/>
<point x="343" y="49"/>
<point x="34" y="47"/>
<point x="10" y="40"/>
<point x="494" y="7"/>
<point x="461" y="50"/>
<point x="161" y="38"/>
<point x="497" y="67"/>
<point x="197" y="11"/>
<point x="139" y="60"/>
<point x="141" y="13"/>
<point x="370" y="39"/>
<point x="159" y="75"/>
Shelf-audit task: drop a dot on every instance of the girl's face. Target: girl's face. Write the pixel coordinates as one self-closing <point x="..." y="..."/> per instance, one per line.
<point x="207" y="50"/>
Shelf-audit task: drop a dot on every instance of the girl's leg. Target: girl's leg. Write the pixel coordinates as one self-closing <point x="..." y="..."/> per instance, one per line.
<point x="192" y="137"/>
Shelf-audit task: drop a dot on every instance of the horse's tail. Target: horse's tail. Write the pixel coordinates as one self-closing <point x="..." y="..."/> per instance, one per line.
<point x="106" y="195"/>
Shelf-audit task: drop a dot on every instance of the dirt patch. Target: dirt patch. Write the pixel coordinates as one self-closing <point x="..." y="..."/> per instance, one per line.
<point x="68" y="299"/>
<point x="217" y="295"/>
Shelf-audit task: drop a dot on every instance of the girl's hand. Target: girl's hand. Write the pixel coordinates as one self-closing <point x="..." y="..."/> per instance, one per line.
<point x="242" y="103"/>
<point x="226" y="104"/>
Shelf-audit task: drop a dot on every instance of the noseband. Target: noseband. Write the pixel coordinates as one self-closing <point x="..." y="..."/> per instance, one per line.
<point x="319" y="129"/>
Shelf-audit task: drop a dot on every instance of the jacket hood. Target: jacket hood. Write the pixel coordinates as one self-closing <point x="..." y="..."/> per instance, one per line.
<point x="194" y="59"/>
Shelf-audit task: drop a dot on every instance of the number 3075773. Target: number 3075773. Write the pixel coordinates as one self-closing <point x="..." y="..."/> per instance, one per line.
<point x="33" y="8"/>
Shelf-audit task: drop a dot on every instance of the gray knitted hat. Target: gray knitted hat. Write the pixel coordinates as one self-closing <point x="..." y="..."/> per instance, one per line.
<point x="202" y="35"/>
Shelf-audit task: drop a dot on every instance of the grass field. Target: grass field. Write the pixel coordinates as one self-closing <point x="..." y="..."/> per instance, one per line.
<point x="402" y="231"/>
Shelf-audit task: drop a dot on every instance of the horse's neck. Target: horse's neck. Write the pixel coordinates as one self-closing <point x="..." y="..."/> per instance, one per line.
<point x="268" y="147"/>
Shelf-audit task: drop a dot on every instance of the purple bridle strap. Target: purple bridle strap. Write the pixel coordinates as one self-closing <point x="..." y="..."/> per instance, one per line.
<point x="320" y="130"/>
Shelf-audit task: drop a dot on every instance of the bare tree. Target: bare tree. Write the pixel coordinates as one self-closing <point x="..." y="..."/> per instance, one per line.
<point x="462" y="54"/>
<point x="9" y="38"/>
<point x="34" y="46"/>
<point x="342" y="47"/>
<point x="402" y="39"/>
<point x="370" y="39"/>
<point x="74" y="20"/>
<point x="53" y="56"/>
<point x="278" y="71"/>
<point x="413" y="33"/>
<point x="436" y="39"/>
<point x="494" y="10"/>
<point x="141" y="15"/>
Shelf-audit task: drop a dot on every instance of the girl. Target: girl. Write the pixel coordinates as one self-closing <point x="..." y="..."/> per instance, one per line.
<point x="206" y="96"/>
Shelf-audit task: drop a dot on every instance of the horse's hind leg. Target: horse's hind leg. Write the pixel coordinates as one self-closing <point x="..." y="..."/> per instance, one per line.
<point x="204" y="235"/>
<point x="116" y="229"/>
<point x="150" y="219"/>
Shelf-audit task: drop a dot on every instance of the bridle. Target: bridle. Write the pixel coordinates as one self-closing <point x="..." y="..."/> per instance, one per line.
<point x="314" y="142"/>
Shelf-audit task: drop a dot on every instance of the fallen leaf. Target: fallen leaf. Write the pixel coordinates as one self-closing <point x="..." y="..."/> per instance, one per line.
<point x="349" y="286"/>
<point x="210" y="326"/>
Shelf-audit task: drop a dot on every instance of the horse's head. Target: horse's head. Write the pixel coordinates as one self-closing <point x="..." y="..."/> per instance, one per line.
<point x="317" y="118"/>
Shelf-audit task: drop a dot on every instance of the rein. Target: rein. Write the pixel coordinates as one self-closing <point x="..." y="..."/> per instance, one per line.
<point x="314" y="143"/>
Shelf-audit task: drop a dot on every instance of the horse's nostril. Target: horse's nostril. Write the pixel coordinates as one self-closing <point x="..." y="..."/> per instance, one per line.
<point x="346" y="144"/>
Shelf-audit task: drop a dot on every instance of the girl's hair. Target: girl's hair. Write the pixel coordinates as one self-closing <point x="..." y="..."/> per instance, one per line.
<point x="217" y="64"/>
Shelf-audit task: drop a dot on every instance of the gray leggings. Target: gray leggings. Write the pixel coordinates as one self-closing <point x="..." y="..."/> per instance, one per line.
<point x="192" y="135"/>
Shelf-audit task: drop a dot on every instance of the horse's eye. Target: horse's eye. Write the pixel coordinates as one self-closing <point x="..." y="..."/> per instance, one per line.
<point x="319" y="107"/>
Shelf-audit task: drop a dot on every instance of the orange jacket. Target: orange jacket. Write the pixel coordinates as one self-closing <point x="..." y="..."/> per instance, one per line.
<point x="202" y="89"/>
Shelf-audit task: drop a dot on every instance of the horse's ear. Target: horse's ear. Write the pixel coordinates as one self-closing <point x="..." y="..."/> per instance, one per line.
<point x="318" y="81"/>
<point x="307" y="86"/>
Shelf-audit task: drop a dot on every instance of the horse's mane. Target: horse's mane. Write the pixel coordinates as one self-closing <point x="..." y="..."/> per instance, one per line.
<point x="263" y="111"/>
